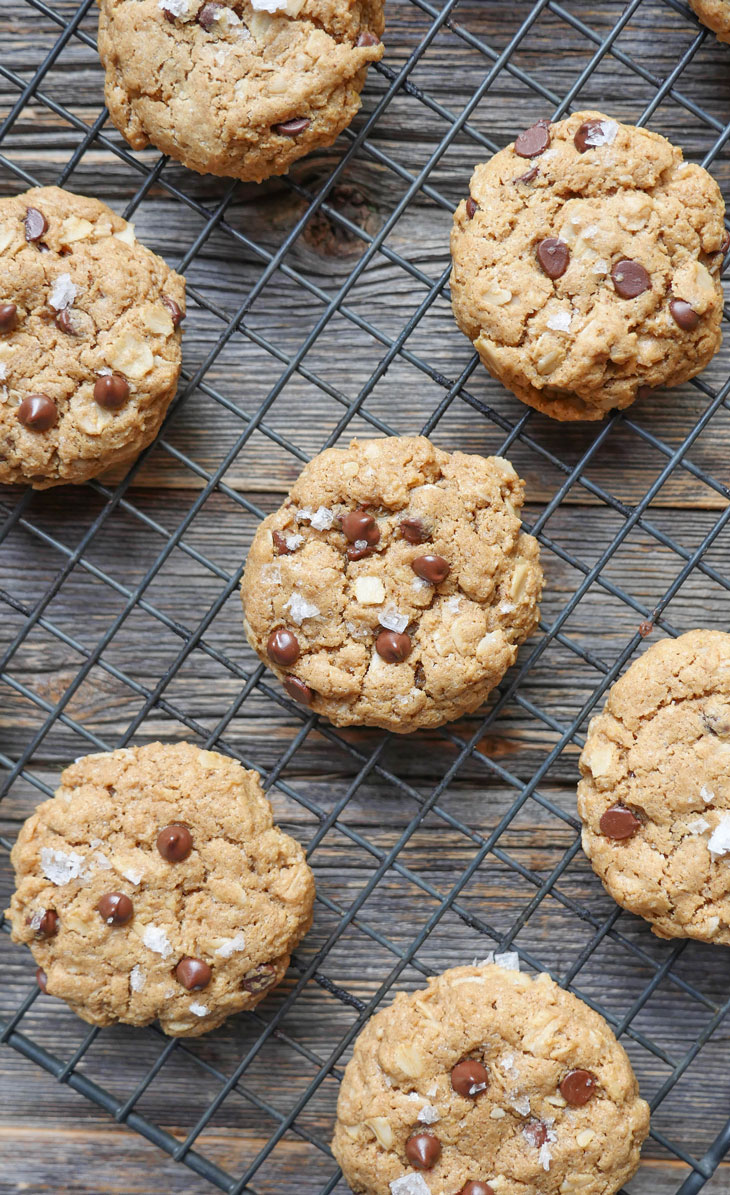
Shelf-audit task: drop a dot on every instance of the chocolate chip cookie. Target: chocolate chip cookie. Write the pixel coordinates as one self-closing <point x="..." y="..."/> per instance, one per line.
<point x="716" y="15"/>
<point x="89" y="339"/>
<point x="655" y="793"/>
<point x="394" y="585"/>
<point x="488" y="1082"/>
<point x="240" y="89"/>
<point x="155" y="886"/>
<point x="587" y="265"/>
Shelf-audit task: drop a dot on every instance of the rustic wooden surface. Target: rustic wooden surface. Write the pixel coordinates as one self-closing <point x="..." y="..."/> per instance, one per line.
<point x="51" y="1139"/>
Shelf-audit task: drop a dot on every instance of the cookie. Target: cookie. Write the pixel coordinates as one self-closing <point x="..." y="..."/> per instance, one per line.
<point x="655" y="793"/>
<point x="89" y="339"/>
<point x="394" y="585"/>
<point x="488" y="1082"/>
<point x="240" y="89"/>
<point x="155" y="886"/>
<point x="716" y="15"/>
<point x="587" y="265"/>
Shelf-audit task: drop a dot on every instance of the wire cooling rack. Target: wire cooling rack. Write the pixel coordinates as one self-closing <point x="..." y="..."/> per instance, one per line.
<point x="318" y="307"/>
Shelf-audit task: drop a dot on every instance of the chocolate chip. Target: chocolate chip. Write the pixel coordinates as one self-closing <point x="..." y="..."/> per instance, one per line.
<point x="358" y="524"/>
<point x="469" y="1077"/>
<point x="41" y="979"/>
<point x="413" y="531"/>
<point x="115" y="908"/>
<point x="586" y="134"/>
<point x="684" y="316"/>
<point x="8" y="314"/>
<point x="433" y="569"/>
<point x="577" y="1087"/>
<point x="290" y="128"/>
<point x="177" y="314"/>
<point x="111" y="391"/>
<point x="534" y="141"/>
<point x="259" y="978"/>
<point x="35" y="224"/>
<point x="619" y="822"/>
<point x="553" y="256"/>
<point x="298" y="690"/>
<point x="64" y="323"/>
<point x="174" y="843"/>
<point x="47" y="926"/>
<point x="282" y="647"/>
<point x="393" y="647"/>
<point x="472" y="207"/>
<point x="38" y="412"/>
<point x="423" y="1150"/>
<point x="630" y="278"/>
<point x="536" y="1133"/>
<point x="359" y="553"/>
<point x="476" y="1188"/>
<point x="528" y="177"/>
<point x="208" y="14"/>
<point x="280" y="544"/>
<point x="193" y="974"/>
<point x="367" y="38"/>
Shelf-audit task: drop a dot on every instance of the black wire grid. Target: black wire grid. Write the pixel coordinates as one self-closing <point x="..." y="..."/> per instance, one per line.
<point x="585" y="921"/>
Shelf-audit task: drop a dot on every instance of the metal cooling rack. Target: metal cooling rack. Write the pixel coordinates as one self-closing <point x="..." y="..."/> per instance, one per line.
<point x="668" y="1000"/>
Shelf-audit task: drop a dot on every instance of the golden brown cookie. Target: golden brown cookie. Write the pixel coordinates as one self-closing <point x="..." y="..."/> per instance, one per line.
<point x="488" y="1082"/>
<point x="89" y="339"/>
<point x="716" y="15"/>
<point x="587" y="265"/>
<point x="395" y="584"/>
<point x="241" y="89"/>
<point x="655" y="793"/>
<point x="155" y="886"/>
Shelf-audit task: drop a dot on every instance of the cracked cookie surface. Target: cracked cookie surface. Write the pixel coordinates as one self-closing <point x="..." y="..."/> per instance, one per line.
<point x="394" y="585"/>
<point x="240" y="89"/>
<point x="154" y="885"/>
<point x="587" y="265"/>
<point x="716" y="15"/>
<point x="553" y="1107"/>
<point x="89" y="339"/>
<point x="655" y="793"/>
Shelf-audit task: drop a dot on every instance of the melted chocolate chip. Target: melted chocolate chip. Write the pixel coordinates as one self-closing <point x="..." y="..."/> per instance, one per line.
<point x="354" y="553"/>
<point x="433" y="569"/>
<point x="469" y="1077"/>
<point x="630" y="278"/>
<point x="290" y="128"/>
<point x="367" y="38"/>
<point x="8" y="316"/>
<point x="115" y="908"/>
<point x="282" y="647"/>
<point x="193" y="974"/>
<point x="413" y="530"/>
<point x="472" y="207"/>
<point x="259" y="978"/>
<point x="476" y="1188"/>
<point x="177" y="314"/>
<point x="586" y="134"/>
<point x="41" y="979"/>
<point x="536" y="1133"/>
<point x="619" y="822"/>
<point x="528" y="177"/>
<point x="38" y="413"/>
<point x="280" y="544"/>
<point x="359" y="525"/>
<point x="64" y="322"/>
<point x="684" y="316"/>
<point x="553" y="256"/>
<point x="35" y="224"/>
<point x="393" y="647"/>
<point x="111" y="391"/>
<point x="208" y="15"/>
<point x="423" y="1150"/>
<point x="577" y="1087"/>
<point x="297" y="690"/>
<point x="174" y="843"/>
<point x="47" y="926"/>
<point x="534" y="141"/>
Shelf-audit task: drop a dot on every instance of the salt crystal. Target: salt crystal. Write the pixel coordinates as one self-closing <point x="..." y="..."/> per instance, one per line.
<point x="544" y="1156"/>
<point x="93" y="842"/>
<point x="419" y="583"/>
<point x="290" y="7"/>
<point x="3" y="371"/>
<point x="602" y="132"/>
<point x="299" y="608"/>
<point x="293" y="542"/>
<point x="410" y="1184"/>
<point x="156" y="939"/>
<point x="414" y="1096"/>
<point x="507" y="1064"/>
<point x="707" y="794"/>
<point x="272" y="573"/>
<point x="102" y="861"/>
<point x="393" y="621"/>
<point x="510" y="961"/>
<point x="225" y="19"/>
<point x="322" y="519"/>
<point x="453" y="604"/>
<point x="59" y="867"/>
<point x="199" y="1010"/>
<point x="600" y="266"/>
<point x="719" y="841"/>
<point x="521" y="1104"/>
<point x="560" y="322"/>
<point x="184" y="9"/>
<point x="305" y="515"/>
<point x="506" y="607"/>
<point x="231" y="946"/>
<point x="361" y="545"/>
<point x="698" y="826"/>
<point x="63" y="293"/>
<point x="133" y="874"/>
<point x="137" y="979"/>
<point x="432" y="1091"/>
<point x="37" y="919"/>
<point x="429" y="1114"/>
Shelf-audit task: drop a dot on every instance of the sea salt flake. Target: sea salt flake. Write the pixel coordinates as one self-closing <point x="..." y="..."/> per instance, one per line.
<point x="719" y="841"/>
<point x="432" y="1091"/>
<point x="429" y="1114"/>
<point x="507" y="1064"/>
<point x="59" y="867"/>
<point x="3" y="371"/>
<point x="544" y="1156"/>
<point x="419" y="583"/>
<point x="133" y="874"/>
<point x="36" y="920"/>
<point x="410" y="1184"/>
<point x="476" y="1088"/>
<point x="603" y="132"/>
<point x="453" y="604"/>
<point x="231" y="946"/>
<point x="199" y="1010"/>
<point x="289" y="7"/>
<point x="102" y="861"/>
<point x="698" y="826"/>
<point x="93" y="842"/>
<point x="509" y="961"/>
<point x="293" y="542"/>
<point x="62" y="293"/>
<point x="322" y="519"/>
<point x="184" y="9"/>
<point x="521" y="1104"/>
<point x="299" y="608"/>
<point x="707" y="794"/>
<point x="156" y="939"/>
<point x="560" y="322"/>
<point x="361" y="545"/>
<point x="392" y="620"/>
<point x="137" y="978"/>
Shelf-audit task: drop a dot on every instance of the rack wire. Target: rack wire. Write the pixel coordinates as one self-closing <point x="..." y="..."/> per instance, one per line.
<point x="426" y="853"/>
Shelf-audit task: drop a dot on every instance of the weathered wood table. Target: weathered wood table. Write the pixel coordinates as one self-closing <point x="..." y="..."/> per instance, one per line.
<point x="121" y="622"/>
